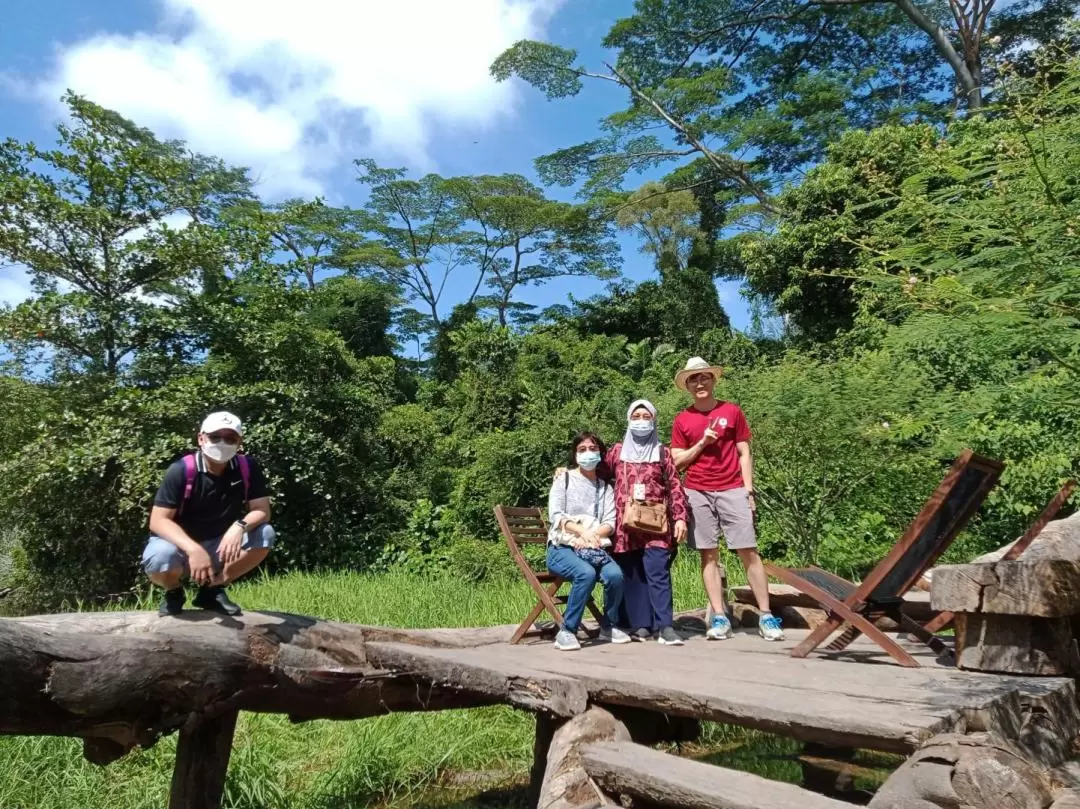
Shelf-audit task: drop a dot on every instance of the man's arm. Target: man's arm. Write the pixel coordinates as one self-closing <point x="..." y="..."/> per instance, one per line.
<point x="685" y="457"/>
<point x="746" y="466"/>
<point x="163" y="524"/>
<point x="258" y="512"/>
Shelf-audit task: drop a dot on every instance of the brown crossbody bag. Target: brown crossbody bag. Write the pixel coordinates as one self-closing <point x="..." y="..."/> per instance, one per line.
<point x="648" y="518"/>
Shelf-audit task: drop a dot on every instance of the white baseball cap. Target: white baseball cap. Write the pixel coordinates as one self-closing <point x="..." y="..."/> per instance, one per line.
<point x="222" y="420"/>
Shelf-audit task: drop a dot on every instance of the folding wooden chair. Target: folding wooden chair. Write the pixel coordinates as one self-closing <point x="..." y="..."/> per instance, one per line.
<point x="526" y="526"/>
<point x="881" y="593"/>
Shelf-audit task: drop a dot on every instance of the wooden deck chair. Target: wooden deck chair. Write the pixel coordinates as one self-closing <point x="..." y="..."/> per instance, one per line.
<point x="881" y="593"/>
<point x="943" y="620"/>
<point x="526" y="526"/>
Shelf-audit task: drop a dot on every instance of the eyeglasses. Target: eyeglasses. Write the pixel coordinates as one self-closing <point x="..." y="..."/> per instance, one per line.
<point x="224" y="438"/>
<point x="700" y="379"/>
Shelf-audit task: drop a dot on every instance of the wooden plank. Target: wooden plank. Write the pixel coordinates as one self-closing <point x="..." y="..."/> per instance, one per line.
<point x="484" y="672"/>
<point x="202" y="761"/>
<point x="660" y="778"/>
<point x="832" y="702"/>
<point x="916" y="602"/>
<point x="829" y="718"/>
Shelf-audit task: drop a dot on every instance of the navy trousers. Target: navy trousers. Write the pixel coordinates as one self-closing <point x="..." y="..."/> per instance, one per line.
<point x="647" y="597"/>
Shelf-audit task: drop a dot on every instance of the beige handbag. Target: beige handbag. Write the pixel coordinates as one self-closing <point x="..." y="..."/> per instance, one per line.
<point x="648" y="518"/>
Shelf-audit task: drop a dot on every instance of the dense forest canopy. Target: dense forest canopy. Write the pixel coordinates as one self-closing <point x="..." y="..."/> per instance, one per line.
<point x="897" y="181"/>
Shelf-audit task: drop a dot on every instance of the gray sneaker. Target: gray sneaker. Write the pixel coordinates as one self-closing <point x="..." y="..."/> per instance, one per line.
<point x="566" y="641"/>
<point x="641" y="635"/>
<point x="669" y="637"/>
<point x="614" y="635"/>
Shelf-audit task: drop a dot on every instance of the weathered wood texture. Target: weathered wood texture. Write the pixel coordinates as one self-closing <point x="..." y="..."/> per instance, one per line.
<point x="566" y="783"/>
<point x="202" y="761"/>
<point x="124" y="679"/>
<point x="1069" y="799"/>
<point x="485" y="671"/>
<point x="1044" y="588"/>
<point x="623" y="768"/>
<point x="1017" y="644"/>
<point x="976" y="771"/>
<point x="1060" y="539"/>
<point x="850" y="701"/>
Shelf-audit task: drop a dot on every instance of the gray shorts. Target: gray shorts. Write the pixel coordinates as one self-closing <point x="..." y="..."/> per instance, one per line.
<point x="727" y="512"/>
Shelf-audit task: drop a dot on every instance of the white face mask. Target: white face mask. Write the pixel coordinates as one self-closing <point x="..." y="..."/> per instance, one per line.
<point x="220" y="452"/>
<point x="642" y="427"/>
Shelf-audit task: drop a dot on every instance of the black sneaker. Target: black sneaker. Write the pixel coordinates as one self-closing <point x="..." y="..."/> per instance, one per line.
<point x="173" y="602"/>
<point x="215" y="599"/>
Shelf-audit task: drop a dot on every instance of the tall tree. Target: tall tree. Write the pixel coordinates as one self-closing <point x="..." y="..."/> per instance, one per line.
<point x="111" y="225"/>
<point x="757" y="88"/>
<point x="418" y="226"/>
<point x="519" y="238"/>
<point x="311" y="238"/>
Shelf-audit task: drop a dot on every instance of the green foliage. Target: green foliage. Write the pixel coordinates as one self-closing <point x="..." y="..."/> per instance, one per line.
<point x="113" y="225"/>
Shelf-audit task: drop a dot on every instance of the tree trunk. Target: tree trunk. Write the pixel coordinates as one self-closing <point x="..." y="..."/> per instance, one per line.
<point x="118" y="680"/>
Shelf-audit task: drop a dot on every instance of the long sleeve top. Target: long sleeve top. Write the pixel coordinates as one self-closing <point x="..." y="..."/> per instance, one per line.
<point x="656" y="491"/>
<point x="572" y="494"/>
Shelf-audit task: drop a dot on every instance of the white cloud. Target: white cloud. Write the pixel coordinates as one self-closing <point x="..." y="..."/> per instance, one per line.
<point x="14" y="284"/>
<point x="293" y="89"/>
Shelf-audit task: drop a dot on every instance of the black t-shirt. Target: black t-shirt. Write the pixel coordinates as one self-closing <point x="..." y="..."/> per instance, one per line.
<point x="216" y="501"/>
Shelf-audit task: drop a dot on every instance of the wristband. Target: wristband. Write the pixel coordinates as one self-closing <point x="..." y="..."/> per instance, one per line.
<point x="242" y="524"/>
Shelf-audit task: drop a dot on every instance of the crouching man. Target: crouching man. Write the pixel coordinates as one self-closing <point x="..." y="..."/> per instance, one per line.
<point x="210" y="520"/>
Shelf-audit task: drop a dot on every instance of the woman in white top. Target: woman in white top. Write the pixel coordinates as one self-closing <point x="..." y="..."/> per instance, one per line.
<point x="581" y="508"/>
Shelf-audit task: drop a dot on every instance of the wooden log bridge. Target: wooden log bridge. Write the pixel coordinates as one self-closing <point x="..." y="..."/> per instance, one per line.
<point x="118" y="680"/>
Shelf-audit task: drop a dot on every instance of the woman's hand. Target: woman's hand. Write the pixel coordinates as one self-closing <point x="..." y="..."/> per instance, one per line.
<point x="680" y="531"/>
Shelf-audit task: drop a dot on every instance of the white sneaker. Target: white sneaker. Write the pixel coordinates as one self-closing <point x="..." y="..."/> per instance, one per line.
<point x="719" y="628"/>
<point x="566" y="641"/>
<point x="614" y="635"/>
<point x="769" y="627"/>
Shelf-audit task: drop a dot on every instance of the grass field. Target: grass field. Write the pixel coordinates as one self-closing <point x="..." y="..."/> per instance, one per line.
<point x="469" y="758"/>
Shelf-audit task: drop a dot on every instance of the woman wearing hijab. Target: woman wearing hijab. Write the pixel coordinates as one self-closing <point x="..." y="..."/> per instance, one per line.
<point x="650" y="518"/>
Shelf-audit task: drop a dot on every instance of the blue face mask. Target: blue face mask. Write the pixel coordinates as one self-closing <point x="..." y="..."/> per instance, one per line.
<point x="642" y="427"/>
<point x="588" y="460"/>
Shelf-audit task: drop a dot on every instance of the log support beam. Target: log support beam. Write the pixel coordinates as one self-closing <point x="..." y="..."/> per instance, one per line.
<point x="202" y="762"/>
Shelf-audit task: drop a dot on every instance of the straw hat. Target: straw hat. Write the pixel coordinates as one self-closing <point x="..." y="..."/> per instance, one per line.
<point x="696" y="365"/>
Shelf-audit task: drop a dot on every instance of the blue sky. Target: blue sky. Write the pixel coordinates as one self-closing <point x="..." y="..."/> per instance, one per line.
<point x="295" y="91"/>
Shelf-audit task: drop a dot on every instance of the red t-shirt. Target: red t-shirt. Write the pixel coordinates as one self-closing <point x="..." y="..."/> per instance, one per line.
<point x="717" y="468"/>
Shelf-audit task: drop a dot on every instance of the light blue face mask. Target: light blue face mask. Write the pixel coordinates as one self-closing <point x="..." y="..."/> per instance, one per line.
<point x="642" y="427"/>
<point x="588" y="460"/>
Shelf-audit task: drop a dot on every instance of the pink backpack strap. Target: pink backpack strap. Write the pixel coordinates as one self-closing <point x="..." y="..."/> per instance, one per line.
<point x="245" y="472"/>
<point x="189" y="480"/>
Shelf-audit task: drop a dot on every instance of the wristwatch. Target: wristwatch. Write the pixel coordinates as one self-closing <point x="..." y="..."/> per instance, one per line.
<point x="242" y="523"/>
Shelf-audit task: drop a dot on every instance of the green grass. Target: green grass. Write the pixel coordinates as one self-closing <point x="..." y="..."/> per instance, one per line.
<point x="400" y="759"/>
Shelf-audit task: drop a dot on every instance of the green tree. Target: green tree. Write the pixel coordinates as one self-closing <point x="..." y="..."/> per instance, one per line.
<point x="756" y="90"/>
<point x="518" y="238"/>
<point x="114" y="226"/>
<point x="419" y="240"/>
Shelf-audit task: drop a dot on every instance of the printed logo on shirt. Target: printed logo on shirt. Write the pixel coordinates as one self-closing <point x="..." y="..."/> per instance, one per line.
<point x="236" y="483"/>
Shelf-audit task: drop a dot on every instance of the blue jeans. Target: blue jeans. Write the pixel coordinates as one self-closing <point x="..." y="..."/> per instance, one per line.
<point x="563" y="562"/>
<point x="161" y="556"/>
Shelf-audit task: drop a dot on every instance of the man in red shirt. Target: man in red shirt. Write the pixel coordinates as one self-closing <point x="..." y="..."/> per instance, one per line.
<point x="710" y="441"/>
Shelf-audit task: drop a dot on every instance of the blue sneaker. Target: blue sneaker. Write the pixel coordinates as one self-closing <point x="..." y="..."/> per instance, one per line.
<point x="769" y="627"/>
<point x="719" y="629"/>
